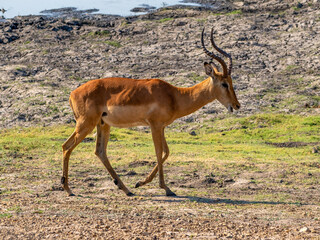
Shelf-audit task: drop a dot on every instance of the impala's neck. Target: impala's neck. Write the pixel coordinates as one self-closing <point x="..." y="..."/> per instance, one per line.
<point x="191" y="99"/>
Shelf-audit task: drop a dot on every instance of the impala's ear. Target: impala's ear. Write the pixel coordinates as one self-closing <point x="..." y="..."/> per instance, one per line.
<point x="208" y="69"/>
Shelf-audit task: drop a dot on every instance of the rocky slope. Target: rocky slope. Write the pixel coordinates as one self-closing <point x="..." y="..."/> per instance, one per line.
<point x="275" y="48"/>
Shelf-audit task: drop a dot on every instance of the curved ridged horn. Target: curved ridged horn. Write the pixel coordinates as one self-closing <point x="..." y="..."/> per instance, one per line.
<point x="212" y="55"/>
<point x="222" y="52"/>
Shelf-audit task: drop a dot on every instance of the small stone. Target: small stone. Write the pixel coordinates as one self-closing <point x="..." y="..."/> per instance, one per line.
<point x="315" y="150"/>
<point x="229" y="180"/>
<point x="304" y="229"/>
<point x="7" y="29"/>
<point x="210" y="180"/>
<point x="299" y="5"/>
<point x="239" y="4"/>
<point x="193" y="133"/>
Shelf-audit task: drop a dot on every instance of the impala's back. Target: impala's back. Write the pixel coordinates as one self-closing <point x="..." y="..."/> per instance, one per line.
<point x="124" y="102"/>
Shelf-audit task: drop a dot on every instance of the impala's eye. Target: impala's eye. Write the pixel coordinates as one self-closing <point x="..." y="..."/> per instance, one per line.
<point x="224" y="85"/>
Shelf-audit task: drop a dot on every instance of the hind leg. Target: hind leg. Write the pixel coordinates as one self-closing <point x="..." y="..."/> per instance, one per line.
<point x="103" y="133"/>
<point x="83" y="128"/>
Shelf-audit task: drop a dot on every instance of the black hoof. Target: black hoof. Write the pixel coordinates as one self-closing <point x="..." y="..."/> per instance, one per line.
<point x="137" y="185"/>
<point x="71" y="195"/>
<point x="130" y="194"/>
<point x="171" y="194"/>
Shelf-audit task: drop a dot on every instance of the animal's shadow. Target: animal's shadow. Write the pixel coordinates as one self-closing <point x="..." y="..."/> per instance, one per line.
<point x="178" y="199"/>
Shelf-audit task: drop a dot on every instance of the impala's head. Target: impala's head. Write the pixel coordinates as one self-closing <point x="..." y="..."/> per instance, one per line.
<point x="222" y="81"/>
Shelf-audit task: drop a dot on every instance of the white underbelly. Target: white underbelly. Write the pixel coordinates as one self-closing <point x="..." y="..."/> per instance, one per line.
<point x="124" y="124"/>
<point x="128" y="116"/>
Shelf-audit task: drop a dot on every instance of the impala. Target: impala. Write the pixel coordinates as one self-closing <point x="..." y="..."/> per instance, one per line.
<point x="125" y="102"/>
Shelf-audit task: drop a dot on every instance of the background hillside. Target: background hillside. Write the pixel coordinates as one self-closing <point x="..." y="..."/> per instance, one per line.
<point x="274" y="44"/>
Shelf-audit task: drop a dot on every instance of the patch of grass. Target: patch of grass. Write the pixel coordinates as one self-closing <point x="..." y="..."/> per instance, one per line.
<point x="16" y="209"/>
<point x="113" y="44"/>
<point x="165" y="20"/>
<point x="316" y="98"/>
<point x="38" y="211"/>
<point x="228" y="148"/>
<point x="196" y="78"/>
<point x="202" y="20"/>
<point x="77" y="78"/>
<point x="53" y="109"/>
<point x="235" y="12"/>
<point x="124" y="23"/>
<point x="5" y="215"/>
<point x="221" y="136"/>
<point x="291" y="67"/>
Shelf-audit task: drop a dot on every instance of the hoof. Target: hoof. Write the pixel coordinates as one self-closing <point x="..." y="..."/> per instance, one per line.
<point x="171" y="194"/>
<point x="130" y="194"/>
<point x="137" y="185"/>
<point x="71" y="195"/>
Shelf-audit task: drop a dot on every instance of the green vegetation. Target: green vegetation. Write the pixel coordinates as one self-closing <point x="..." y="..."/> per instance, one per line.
<point x="165" y="20"/>
<point x="234" y="12"/>
<point x="124" y="23"/>
<point x="296" y="8"/>
<point x="273" y="148"/>
<point x="202" y="20"/>
<point x="113" y="44"/>
<point x="232" y="140"/>
<point x="5" y="215"/>
<point x="196" y="78"/>
<point x="291" y="67"/>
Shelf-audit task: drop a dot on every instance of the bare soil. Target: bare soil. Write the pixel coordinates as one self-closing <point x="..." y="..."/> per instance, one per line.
<point x="37" y="208"/>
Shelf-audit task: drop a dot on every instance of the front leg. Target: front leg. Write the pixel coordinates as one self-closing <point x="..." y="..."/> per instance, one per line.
<point x="153" y="173"/>
<point x="157" y="136"/>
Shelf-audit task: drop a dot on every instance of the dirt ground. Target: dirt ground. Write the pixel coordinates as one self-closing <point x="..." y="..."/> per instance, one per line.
<point x="34" y="207"/>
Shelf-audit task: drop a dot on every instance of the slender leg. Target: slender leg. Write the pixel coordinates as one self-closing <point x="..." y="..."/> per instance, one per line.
<point x="81" y="131"/>
<point x="153" y="173"/>
<point x="158" y="136"/>
<point x="103" y="133"/>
